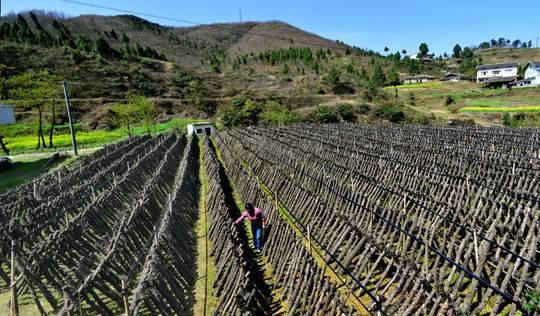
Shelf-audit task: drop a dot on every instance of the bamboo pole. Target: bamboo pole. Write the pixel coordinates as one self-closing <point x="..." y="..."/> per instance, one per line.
<point x="80" y="304"/>
<point x="14" y="302"/>
<point x="65" y="294"/>
<point x="125" y="298"/>
<point x="309" y="238"/>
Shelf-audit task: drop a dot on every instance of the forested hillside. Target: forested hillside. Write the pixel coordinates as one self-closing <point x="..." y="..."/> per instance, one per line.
<point x="205" y="69"/>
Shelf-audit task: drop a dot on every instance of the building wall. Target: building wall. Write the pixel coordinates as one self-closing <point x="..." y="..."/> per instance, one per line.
<point x="7" y="116"/>
<point x="191" y="128"/>
<point x="408" y="81"/>
<point x="533" y="72"/>
<point x="482" y="75"/>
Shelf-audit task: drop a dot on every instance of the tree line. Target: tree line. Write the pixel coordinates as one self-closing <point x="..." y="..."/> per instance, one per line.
<point x="20" y="32"/>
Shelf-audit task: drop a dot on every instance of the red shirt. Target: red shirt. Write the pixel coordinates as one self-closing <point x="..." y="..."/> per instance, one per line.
<point x="258" y="218"/>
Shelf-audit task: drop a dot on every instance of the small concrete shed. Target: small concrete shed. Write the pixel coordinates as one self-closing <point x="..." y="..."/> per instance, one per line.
<point x="7" y="114"/>
<point x="200" y="128"/>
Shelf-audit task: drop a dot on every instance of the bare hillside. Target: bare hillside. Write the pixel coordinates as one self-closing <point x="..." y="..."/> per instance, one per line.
<point x="275" y="35"/>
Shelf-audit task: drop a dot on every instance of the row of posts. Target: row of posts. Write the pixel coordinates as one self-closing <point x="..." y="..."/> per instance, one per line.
<point x="14" y="304"/>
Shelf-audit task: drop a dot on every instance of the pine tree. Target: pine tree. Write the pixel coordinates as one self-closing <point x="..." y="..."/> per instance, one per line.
<point x="468" y="53"/>
<point x="423" y="49"/>
<point x="378" y="78"/>
<point x="393" y="78"/>
<point x="457" y="51"/>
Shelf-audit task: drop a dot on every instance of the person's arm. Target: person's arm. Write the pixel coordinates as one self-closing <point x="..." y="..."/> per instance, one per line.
<point x="263" y="219"/>
<point x="239" y="220"/>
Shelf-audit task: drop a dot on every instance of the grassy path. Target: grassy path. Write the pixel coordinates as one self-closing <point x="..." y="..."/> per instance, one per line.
<point x="205" y="298"/>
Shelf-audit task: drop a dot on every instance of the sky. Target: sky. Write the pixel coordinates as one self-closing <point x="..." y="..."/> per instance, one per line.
<point x="368" y="24"/>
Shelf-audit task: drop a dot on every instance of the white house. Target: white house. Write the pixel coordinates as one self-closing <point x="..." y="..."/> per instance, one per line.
<point x="532" y="75"/>
<point x="497" y="74"/>
<point x="417" y="79"/>
<point x="200" y="128"/>
<point x="7" y="115"/>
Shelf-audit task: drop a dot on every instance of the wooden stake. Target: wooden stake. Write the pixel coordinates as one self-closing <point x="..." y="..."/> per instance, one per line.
<point x="475" y="246"/>
<point x="309" y="239"/>
<point x="65" y="294"/>
<point x="14" y="302"/>
<point x="124" y="296"/>
<point x="80" y="305"/>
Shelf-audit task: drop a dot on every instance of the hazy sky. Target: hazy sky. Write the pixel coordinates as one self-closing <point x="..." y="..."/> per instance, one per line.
<point x="369" y="24"/>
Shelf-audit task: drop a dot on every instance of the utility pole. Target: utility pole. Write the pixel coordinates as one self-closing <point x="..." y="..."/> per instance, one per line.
<point x="536" y="40"/>
<point x="68" y="105"/>
<point x="239" y="13"/>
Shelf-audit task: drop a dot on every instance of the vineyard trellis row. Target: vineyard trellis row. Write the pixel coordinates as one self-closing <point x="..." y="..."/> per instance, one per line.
<point x="125" y="230"/>
<point x="447" y="267"/>
<point x="402" y="220"/>
<point x="304" y="287"/>
<point x="239" y="285"/>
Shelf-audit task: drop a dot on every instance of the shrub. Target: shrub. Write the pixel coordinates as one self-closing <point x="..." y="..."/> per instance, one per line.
<point x="362" y="108"/>
<point x="278" y="114"/>
<point x="346" y="112"/>
<point x="390" y="112"/>
<point x="422" y="119"/>
<point x="326" y="114"/>
<point x="533" y="302"/>
<point x="341" y="88"/>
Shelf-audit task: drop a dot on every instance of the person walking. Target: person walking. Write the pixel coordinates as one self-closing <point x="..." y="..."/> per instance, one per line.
<point x="258" y="223"/>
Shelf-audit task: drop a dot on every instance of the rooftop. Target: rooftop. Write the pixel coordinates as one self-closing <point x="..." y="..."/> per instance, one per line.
<point x="500" y="79"/>
<point x="200" y="123"/>
<point x="496" y="66"/>
<point x="419" y="77"/>
<point x="454" y="75"/>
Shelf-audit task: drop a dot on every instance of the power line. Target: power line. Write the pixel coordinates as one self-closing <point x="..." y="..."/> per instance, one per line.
<point x="202" y="24"/>
<point x="132" y="12"/>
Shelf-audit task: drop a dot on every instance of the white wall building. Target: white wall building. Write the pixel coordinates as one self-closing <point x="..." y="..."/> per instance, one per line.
<point x="532" y="74"/>
<point x="417" y="79"/>
<point x="7" y="114"/>
<point x="497" y="73"/>
<point x="200" y="128"/>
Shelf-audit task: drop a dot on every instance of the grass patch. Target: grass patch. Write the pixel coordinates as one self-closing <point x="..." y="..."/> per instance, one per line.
<point x="422" y="85"/>
<point x="21" y="142"/>
<point x="205" y="297"/>
<point x="27" y="168"/>
<point x="479" y="109"/>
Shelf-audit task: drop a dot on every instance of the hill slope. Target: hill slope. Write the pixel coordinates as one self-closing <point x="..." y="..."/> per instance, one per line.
<point x="195" y="70"/>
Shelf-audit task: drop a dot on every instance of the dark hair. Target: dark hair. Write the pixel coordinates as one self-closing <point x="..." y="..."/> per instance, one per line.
<point x="249" y="207"/>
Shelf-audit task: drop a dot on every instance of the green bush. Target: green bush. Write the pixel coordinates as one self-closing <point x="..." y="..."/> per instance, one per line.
<point x="422" y="119"/>
<point x="532" y="302"/>
<point x="390" y="112"/>
<point x="239" y="112"/>
<point x="362" y="108"/>
<point x="326" y="114"/>
<point x="278" y="114"/>
<point x="346" y="112"/>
